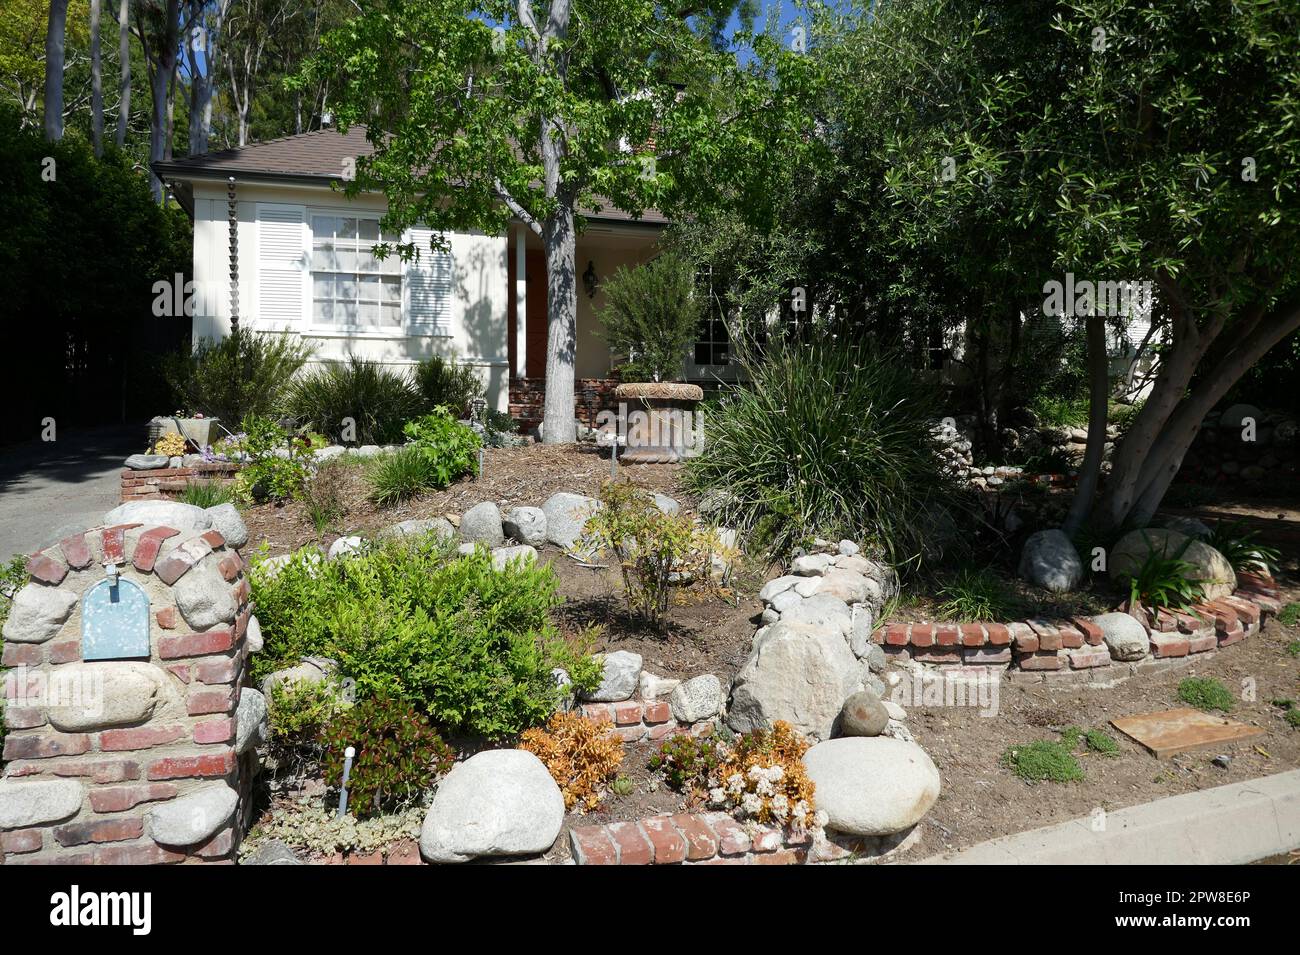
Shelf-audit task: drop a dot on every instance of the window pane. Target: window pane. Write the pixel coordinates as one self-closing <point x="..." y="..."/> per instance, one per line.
<point x="324" y="259"/>
<point x="345" y="312"/>
<point x="369" y="230"/>
<point x="347" y="228"/>
<point x="367" y="314"/>
<point x="346" y="260"/>
<point x="370" y="288"/>
<point x="366" y="261"/>
<point x="322" y="286"/>
<point x="324" y="227"/>
<point x="391" y="315"/>
<point x="392" y="291"/>
<point x="323" y="311"/>
<point x="346" y="288"/>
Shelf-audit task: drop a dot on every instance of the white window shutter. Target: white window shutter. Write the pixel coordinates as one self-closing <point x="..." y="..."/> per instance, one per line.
<point x="426" y="287"/>
<point x="283" y="265"/>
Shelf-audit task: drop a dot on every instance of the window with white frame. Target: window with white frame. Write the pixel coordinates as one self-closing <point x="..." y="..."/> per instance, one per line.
<point x="351" y="286"/>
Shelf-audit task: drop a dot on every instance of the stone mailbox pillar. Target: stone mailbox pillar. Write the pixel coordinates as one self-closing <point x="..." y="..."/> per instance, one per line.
<point x="126" y="651"/>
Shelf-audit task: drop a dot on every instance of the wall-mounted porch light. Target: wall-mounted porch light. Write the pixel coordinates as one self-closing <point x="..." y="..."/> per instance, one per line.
<point x="589" y="279"/>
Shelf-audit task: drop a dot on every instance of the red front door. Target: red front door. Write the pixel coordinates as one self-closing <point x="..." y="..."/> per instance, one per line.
<point x="535" y="313"/>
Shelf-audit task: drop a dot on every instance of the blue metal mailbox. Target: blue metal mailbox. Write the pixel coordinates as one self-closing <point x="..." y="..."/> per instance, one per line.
<point x="115" y="620"/>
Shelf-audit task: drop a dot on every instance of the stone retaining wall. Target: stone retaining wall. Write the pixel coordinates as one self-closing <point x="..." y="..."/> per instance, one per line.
<point x="167" y="483"/>
<point x="636" y="720"/>
<point x="139" y="758"/>
<point x="713" y="838"/>
<point x="1074" y="650"/>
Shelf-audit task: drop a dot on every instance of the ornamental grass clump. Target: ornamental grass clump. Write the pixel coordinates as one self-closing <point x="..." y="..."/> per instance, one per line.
<point x="831" y="439"/>
<point x="581" y="755"/>
<point x="762" y="777"/>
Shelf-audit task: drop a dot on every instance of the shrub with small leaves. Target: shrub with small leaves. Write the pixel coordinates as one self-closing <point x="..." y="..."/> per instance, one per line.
<point x="687" y="762"/>
<point x="581" y="755"/>
<point x="762" y="777"/>
<point x="298" y="711"/>
<point x="398" y="755"/>
<point x="1206" y="693"/>
<point x="654" y="549"/>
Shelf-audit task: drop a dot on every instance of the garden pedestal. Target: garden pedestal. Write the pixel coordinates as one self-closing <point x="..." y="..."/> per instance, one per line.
<point x="661" y="424"/>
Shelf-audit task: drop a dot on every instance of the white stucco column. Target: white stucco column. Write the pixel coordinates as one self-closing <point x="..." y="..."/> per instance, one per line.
<point x="521" y="305"/>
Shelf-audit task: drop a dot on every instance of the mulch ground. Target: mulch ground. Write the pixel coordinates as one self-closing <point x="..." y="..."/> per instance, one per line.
<point x="981" y="799"/>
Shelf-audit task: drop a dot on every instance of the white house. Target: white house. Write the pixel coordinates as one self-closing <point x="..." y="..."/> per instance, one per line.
<point x="305" y="267"/>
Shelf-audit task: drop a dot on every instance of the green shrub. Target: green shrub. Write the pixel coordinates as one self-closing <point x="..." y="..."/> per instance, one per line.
<point x="398" y="755"/>
<point x="828" y="439"/>
<point x="13" y="577"/>
<point x="654" y="549"/>
<point x="208" y="493"/>
<point x="1061" y="412"/>
<point x="298" y="712"/>
<point x="1206" y="693"/>
<point x="1239" y="546"/>
<point x="269" y="476"/>
<point x="397" y="477"/>
<point x="1163" y="582"/>
<point x="243" y="374"/>
<point x="1289" y="616"/>
<point x="1043" y="760"/>
<point x="973" y="595"/>
<point x="651" y="316"/>
<point x="378" y="401"/>
<point x="443" y="383"/>
<point x="449" y="448"/>
<point x="473" y="647"/>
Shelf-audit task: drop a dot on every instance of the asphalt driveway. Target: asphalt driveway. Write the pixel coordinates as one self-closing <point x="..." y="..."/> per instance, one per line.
<point x="51" y="489"/>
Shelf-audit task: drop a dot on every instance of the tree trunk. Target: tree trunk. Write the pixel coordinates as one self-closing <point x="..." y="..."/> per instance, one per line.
<point x="1098" y="398"/>
<point x="559" y="242"/>
<point x="54" y="45"/>
<point x="124" y="85"/>
<point x="96" y="83"/>
<point x="1160" y="455"/>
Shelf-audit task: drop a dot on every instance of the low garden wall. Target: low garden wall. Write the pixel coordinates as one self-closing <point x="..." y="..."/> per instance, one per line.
<point x="170" y="482"/>
<point x="128" y="739"/>
<point x="1076" y="650"/>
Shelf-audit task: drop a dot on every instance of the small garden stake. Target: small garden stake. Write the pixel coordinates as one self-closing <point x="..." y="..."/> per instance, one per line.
<point x="348" y="755"/>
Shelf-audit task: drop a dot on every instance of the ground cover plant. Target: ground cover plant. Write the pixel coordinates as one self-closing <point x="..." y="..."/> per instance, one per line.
<point x="472" y="647"/>
<point x="1206" y="693"/>
<point x="1044" y="760"/>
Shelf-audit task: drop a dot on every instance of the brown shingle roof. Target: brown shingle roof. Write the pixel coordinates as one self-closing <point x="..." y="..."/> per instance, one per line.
<point x="318" y="156"/>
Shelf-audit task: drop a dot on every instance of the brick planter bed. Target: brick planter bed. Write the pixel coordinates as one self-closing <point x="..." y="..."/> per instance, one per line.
<point x="168" y="483"/>
<point x="1073" y="651"/>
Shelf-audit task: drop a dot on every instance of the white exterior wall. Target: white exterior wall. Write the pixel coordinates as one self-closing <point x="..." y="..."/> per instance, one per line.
<point x="478" y="327"/>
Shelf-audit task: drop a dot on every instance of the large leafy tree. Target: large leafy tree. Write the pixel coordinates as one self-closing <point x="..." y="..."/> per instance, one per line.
<point x="481" y="111"/>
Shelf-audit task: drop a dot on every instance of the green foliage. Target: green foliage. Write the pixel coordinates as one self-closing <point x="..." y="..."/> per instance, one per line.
<point x="1061" y="411"/>
<point x="473" y="647"/>
<point x="1205" y="693"/>
<point x="207" y="493"/>
<point x="651" y="315"/>
<point x="298" y="712"/>
<point x="1240" y="547"/>
<point x="88" y="338"/>
<point x="687" y="762"/>
<point x="828" y="439"/>
<point x="13" y="576"/>
<point x="306" y="825"/>
<point x="268" y="476"/>
<point x="1293" y="648"/>
<point x="973" y="594"/>
<point x="439" y="450"/>
<point x="1163" y="581"/>
<point x="1293" y="718"/>
<point x="654" y="549"/>
<point x="377" y="400"/>
<point x="398" y="755"/>
<point x="1289" y="616"/>
<point x="244" y="374"/>
<point x="443" y="383"/>
<point x="1101" y="742"/>
<point x="448" y="448"/>
<point x="1044" y="760"/>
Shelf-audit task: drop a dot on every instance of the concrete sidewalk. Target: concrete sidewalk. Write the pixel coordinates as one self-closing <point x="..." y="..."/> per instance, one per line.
<point x="1227" y="825"/>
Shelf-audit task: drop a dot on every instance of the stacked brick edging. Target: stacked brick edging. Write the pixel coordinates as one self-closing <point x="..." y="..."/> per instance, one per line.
<point x="124" y="768"/>
<point x="164" y="483"/>
<point x="1050" y="649"/>
<point x="636" y="720"/>
<point x="528" y="395"/>
<point x="713" y="838"/>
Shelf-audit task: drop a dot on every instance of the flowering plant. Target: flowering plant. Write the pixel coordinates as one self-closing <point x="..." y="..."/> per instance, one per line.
<point x="762" y="777"/>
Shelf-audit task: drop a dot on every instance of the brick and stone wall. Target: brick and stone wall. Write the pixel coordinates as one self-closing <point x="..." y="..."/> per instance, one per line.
<point x="169" y="482"/>
<point x="713" y="838"/>
<point x="1073" y="651"/>
<point x="634" y="721"/>
<point x="133" y="760"/>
